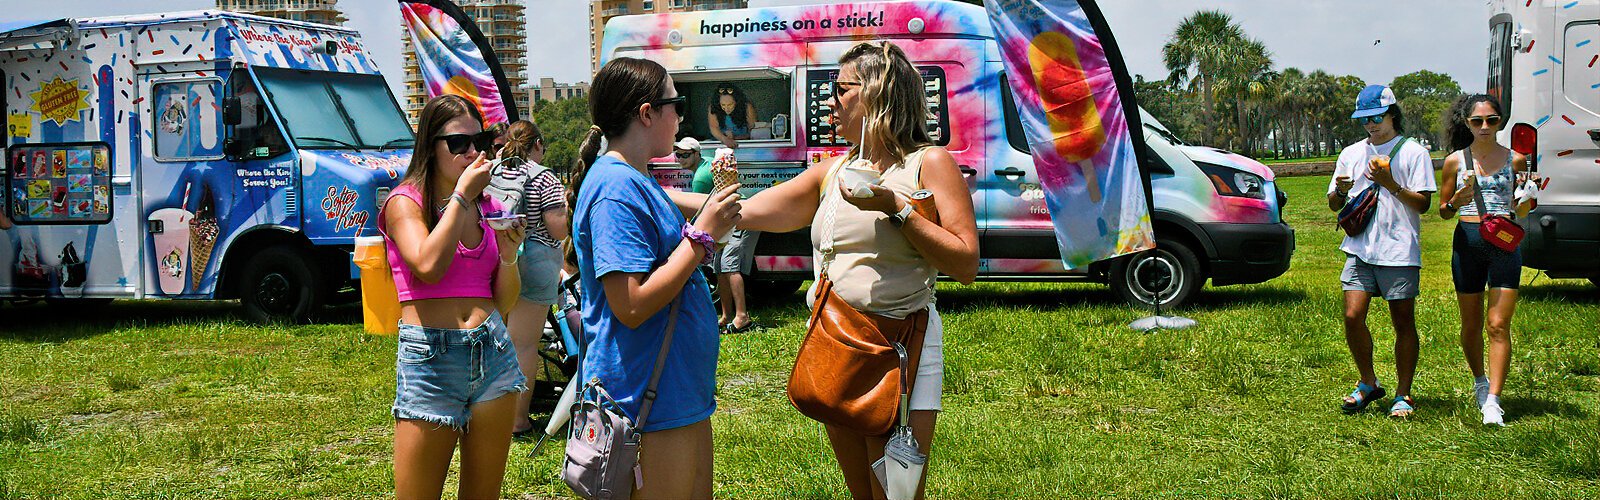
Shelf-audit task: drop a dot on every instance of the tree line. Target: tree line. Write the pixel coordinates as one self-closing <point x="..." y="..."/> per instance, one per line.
<point x="1222" y="90"/>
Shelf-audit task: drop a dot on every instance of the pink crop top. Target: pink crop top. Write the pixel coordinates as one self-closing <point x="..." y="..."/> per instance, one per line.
<point x="471" y="270"/>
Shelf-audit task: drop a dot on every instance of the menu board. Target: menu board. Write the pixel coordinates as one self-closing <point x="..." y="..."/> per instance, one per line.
<point x="818" y="124"/>
<point x="59" y="183"/>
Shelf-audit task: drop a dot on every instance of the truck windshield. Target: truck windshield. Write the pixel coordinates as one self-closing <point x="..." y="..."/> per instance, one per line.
<point x="325" y="110"/>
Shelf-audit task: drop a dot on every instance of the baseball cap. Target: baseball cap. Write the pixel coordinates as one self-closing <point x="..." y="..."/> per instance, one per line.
<point x="1373" y="100"/>
<point x="687" y="143"/>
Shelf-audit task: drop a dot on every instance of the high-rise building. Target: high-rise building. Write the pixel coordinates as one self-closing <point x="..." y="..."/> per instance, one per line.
<point x="548" y="90"/>
<point x="316" y="11"/>
<point x="603" y="10"/>
<point x="504" y="24"/>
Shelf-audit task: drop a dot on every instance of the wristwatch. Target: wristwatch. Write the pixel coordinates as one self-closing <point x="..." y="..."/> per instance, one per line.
<point x="899" y="218"/>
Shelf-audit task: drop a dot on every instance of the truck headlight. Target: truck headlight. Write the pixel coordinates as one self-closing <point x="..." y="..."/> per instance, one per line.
<point x="1231" y="182"/>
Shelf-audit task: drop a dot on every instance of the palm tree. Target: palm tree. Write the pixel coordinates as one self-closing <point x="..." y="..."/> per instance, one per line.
<point x="1208" y="52"/>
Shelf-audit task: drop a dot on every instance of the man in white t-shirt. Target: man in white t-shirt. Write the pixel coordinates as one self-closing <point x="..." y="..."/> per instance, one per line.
<point x="1386" y="258"/>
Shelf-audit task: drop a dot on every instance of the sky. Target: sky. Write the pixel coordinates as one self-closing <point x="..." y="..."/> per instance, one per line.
<point x="1375" y="40"/>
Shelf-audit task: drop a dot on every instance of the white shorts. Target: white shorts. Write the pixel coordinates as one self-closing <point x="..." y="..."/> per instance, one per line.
<point x="927" y="391"/>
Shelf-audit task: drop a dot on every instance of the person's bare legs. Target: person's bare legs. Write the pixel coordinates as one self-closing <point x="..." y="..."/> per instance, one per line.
<point x="725" y="308"/>
<point x="735" y="288"/>
<point x="676" y="463"/>
<point x="1356" y="334"/>
<point x="485" y="446"/>
<point x="422" y="453"/>
<point x="856" y="453"/>
<point x="1471" y="305"/>
<point x="1403" y="314"/>
<point x="1502" y="306"/>
<point x="526" y="326"/>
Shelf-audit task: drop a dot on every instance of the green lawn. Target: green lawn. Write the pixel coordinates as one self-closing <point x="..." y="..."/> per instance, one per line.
<point x="1048" y="394"/>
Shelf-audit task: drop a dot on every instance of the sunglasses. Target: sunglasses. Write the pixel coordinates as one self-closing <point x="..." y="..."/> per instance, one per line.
<point x="725" y="91"/>
<point x="1370" y="119"/>
<point x="676" y="102"/>
<point x="1478" y="121"/>
<point x="839" y="85"/>
<point x="683" y="155"/>
<point x="481" y="141"/>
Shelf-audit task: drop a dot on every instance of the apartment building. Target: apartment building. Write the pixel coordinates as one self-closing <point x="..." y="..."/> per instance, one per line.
<point x="316" y="11"/>
<point x="603" y="10"/>
<point x="504" y="24"/>
<point x="548" y="90"/>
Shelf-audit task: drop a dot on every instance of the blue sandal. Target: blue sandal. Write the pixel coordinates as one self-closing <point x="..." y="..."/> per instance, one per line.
<point x="1403" y="407"/>
<point x="1361" y="397"/>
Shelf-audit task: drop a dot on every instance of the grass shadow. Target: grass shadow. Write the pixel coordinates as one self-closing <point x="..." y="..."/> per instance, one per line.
<point x="1216" y="299"/>
<point x="1567" y="291"/>
<point x="44" y="322"/>
<point x="1043" y="297"/>
<point x="1518" y="408"/>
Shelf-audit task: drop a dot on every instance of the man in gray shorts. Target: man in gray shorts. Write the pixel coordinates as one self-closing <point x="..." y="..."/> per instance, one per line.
<point x="1385" y="259"/>
<point x="734" y="261"/>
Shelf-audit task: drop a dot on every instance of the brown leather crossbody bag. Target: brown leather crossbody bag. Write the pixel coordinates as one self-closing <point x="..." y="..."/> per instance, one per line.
<point x="847" y="373"/>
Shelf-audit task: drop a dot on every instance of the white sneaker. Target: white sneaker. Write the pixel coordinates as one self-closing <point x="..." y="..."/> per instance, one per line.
<point x="1482" y="388"/>
<point x="1493" y="414"/>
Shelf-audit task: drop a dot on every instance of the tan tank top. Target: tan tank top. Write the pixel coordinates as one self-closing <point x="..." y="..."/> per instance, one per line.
<point x="872" y="264"/>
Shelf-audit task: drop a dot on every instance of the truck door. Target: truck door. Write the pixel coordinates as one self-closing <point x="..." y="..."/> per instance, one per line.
<point x="181" y="180"/>
<point x="1018" y="236"/>
<point x="1572" y="133"/>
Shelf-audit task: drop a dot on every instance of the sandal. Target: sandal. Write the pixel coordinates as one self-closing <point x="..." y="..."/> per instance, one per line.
<point x="730" y="329"/>
<point x="1403" y="407"/>
<point x="1361" y="397"/>
<point x="525" y="433"/>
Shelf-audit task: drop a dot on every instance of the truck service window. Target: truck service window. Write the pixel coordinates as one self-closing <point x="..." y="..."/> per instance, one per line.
<point x="749" y="109"/>
<point x="323" y="110"/>
<point x="188" y="120"/>
<point x="819" y="109"/>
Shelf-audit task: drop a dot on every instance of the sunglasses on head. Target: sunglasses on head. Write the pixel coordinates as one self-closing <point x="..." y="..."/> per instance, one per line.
<point x="1370" y="119"/>
<point x="676" y="102"/>
<point x="725" y="91"/>
<point x="1478" y="121"/>
<point x="481" y="141"/>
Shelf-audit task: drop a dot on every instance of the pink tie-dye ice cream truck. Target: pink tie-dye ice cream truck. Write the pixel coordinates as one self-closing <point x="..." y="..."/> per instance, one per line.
<point x="191" y="155"/>
<point x="1217" y="214"/>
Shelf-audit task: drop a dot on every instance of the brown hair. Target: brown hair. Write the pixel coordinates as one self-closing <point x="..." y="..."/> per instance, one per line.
<point x="420" y="173"/>
<point x="891" y="90"/>
<point x="619" y="89"/>
<point x="520" y="139"/>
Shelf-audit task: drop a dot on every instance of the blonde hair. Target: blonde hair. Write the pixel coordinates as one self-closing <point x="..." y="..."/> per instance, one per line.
<point x="892" y="91"/>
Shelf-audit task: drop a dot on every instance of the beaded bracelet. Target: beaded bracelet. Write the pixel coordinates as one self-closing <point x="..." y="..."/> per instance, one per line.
<point x="702" y="238"/>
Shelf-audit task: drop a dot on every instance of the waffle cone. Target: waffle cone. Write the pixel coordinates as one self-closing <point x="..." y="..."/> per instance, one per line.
<point x="202" y="239"/>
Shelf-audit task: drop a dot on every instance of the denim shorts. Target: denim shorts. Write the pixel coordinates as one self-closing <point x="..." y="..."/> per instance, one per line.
<point x="1475" y="262"/>
<point x="540" y="269"/>
<point x="441" y="372"/>
<point x="1389" y="282"/>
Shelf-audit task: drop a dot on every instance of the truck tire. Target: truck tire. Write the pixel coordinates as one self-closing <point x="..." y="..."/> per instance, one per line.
<point x="278" y="285"/>
<point x="1171" y="269"/>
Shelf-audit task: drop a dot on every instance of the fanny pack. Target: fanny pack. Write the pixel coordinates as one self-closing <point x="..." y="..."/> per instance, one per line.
<point x="602" y="442"/>
<point x="1498" y="230"/>
<point x="1357" y="213"/>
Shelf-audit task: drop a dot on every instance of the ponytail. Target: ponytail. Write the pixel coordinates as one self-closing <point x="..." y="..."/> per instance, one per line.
<point x="588" y="152"/>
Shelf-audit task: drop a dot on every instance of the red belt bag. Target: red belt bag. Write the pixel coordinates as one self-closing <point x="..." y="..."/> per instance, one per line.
<point x="1498" y="230"/>
<point x="847" y="373"/>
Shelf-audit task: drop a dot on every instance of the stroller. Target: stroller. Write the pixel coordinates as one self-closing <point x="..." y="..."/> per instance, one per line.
<point x="559" y="342"/>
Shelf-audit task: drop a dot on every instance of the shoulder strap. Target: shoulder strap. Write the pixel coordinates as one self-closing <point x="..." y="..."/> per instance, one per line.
<point x="1397" y="145"/>
<point x="661" y="362"/>
<point x="1477" y="194"/>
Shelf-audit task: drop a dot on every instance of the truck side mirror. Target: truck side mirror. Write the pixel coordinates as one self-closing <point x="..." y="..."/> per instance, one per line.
<point x="230" y="110"/>
<point x="233" y="148"/>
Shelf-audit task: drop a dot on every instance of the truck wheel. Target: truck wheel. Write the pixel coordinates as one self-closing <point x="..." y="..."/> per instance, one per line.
<point x="279" y="286"/>
<point x="1170" y="271"/>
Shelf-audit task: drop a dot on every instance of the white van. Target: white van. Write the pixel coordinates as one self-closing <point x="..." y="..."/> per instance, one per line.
<point x="1544" y="66"/>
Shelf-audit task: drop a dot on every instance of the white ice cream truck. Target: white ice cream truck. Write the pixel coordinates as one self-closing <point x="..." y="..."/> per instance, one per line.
<point x="191" y="155"/>
<point x="1544" y="66"/>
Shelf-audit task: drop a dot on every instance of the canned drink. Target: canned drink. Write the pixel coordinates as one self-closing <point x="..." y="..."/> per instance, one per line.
<point x="922" y="203"/>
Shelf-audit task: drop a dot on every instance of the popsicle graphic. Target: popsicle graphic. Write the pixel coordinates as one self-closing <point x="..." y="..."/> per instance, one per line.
<point x="1069" y="104"/>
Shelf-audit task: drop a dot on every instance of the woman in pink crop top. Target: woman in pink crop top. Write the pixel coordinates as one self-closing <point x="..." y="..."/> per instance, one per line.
<point x="456" y="372"/>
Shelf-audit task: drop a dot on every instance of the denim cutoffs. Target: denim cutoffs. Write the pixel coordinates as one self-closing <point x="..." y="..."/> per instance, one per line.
<point x="441" y="372"/>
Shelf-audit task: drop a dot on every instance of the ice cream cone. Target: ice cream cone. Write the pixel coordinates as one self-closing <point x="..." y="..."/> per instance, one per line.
<point x="202" y="239"/>
<point x="724" y="170"/>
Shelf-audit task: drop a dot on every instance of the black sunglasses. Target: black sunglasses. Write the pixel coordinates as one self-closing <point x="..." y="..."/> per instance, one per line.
<point x="481" y="141"/>
<point x="683" y="155"/>
<point x="1369" y="119"/>
<point x="837" y="86"/>
<point x="676" y="102"/>
<point x="725" y="91"/>
<point x="1478" y="121"/>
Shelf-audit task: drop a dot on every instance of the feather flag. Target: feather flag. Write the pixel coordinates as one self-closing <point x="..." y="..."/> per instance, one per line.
<point x="455" y="58"/>
<point x="1077" y="108"/>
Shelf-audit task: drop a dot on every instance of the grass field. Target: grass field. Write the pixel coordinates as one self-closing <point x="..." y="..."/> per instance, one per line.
<point x="1047" y="394"/>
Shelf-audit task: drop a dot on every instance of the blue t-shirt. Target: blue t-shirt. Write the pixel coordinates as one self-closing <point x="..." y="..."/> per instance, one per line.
<point x="624" y="223"/>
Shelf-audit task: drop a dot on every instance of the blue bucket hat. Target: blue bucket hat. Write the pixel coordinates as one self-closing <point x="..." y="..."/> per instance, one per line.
<point x="1373" y="100"/>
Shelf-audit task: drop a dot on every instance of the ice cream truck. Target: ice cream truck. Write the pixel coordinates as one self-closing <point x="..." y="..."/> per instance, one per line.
<point x="191" y="155"/>
<point x="1543" y="68"/>
<point x="1216" y="214"/>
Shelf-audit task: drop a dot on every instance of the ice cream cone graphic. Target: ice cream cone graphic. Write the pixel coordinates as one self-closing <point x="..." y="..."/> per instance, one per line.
<point x="202" y="238"/>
